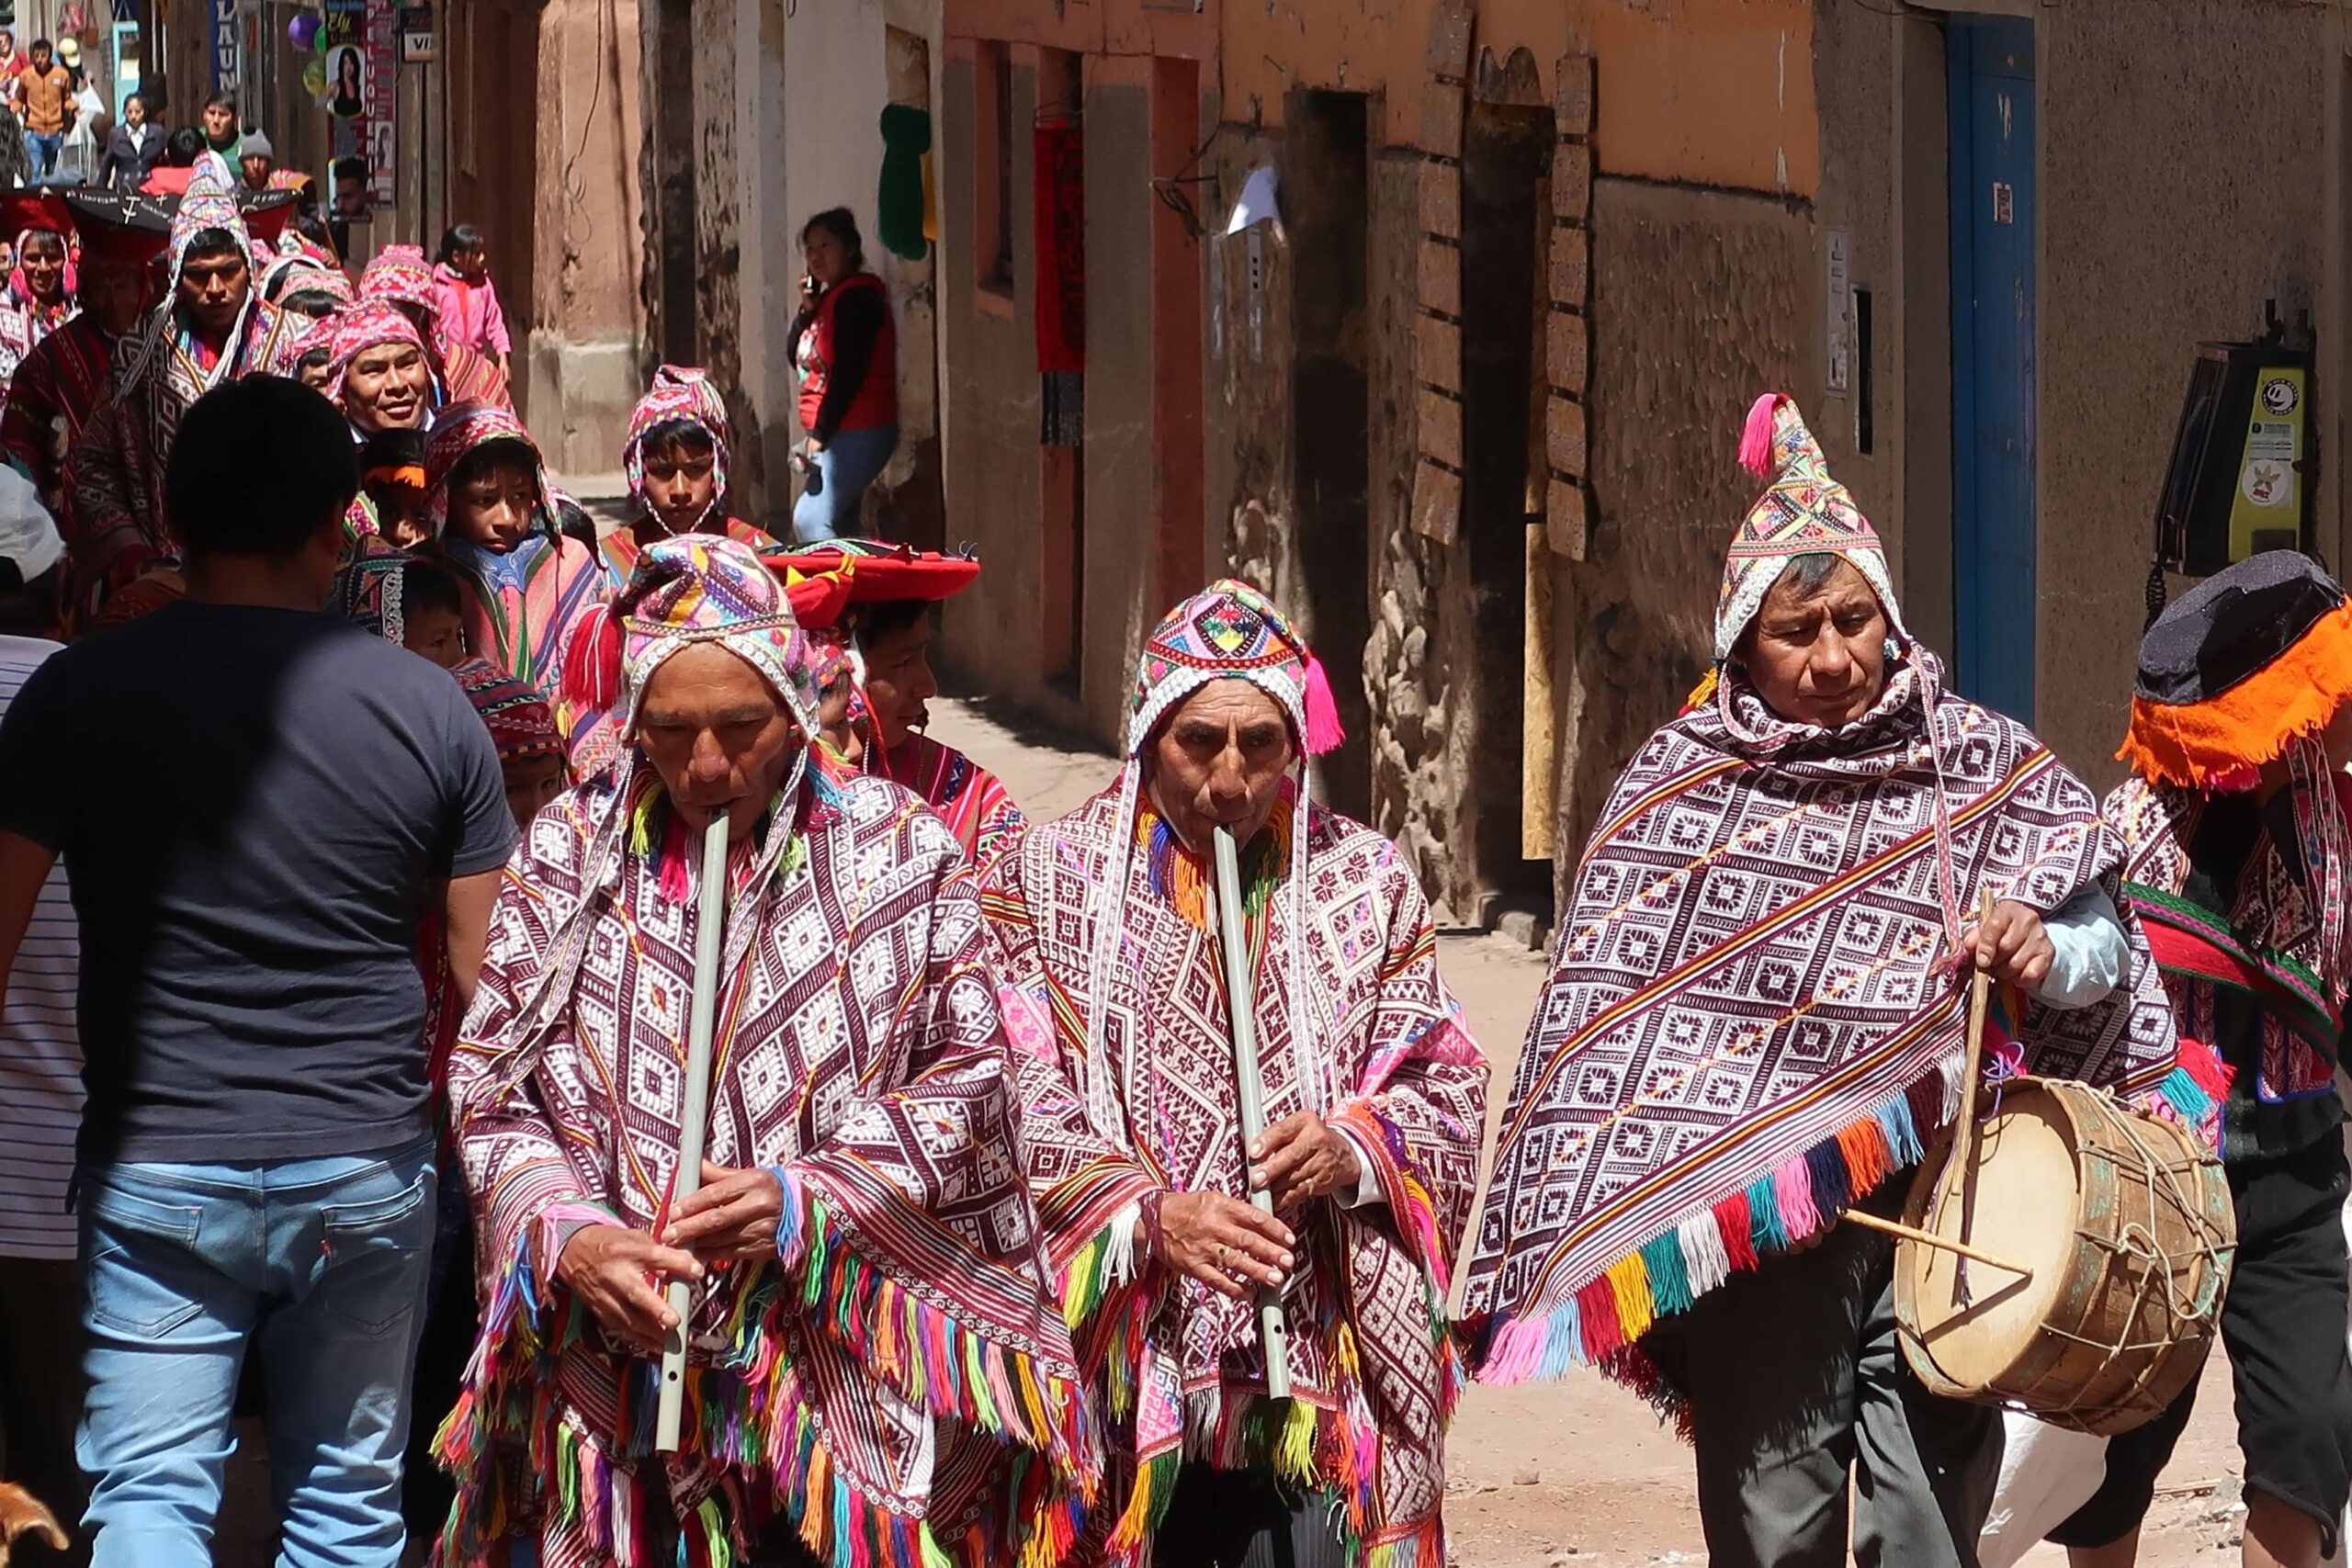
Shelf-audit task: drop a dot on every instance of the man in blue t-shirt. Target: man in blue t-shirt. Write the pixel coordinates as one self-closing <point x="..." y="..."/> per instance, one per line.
<point x="256" y="804"/>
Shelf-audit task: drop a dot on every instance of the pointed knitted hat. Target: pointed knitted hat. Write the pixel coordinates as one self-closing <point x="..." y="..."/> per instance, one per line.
<point x="1803" y="512"/>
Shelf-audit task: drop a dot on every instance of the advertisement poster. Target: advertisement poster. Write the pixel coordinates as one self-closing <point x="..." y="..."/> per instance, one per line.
<point x="381" y="80"/>
<point x="342" y="35"/>
<point x="221" y="15"/>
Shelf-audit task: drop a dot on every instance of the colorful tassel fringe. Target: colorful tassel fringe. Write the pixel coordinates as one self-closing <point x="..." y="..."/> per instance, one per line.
<point x="1599" y="1322"/>
<point x="748" y="1415"/>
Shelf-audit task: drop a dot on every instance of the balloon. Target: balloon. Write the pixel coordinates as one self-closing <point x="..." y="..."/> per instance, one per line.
<point x="314" y="78"/>
<point x="303" y="30"/>
<point x="319" y="42"/>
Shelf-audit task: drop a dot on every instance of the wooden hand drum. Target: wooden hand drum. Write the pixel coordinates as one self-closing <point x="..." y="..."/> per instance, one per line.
<point x="2127" y="1229"/>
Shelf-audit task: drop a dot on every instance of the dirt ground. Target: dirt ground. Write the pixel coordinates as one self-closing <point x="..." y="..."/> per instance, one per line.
<point x="1569" y="1474"/>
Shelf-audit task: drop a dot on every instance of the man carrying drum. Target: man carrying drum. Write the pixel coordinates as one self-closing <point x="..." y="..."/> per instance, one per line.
<point x="1754" y="1023"/>
<point x="2237" y="853"/>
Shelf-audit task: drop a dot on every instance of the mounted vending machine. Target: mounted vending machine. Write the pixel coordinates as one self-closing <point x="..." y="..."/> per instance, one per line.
<point x="2243" y="473"/>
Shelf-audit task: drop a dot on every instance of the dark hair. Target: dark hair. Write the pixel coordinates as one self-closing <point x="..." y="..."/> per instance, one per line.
<point x="312" y="302"/>
<point x="29" y="236"/>
<point x="841" y="225"/>
<point x="183" y="147"/>
<point x="461" y="237"/>
<point x="313" y="228"/>
<point x="131" y="99"/>
<point x="889" y="618"/>
<point x="424" y="586"/>
<point x="258" y="467"/>
<point x="353" y="167"/>
<point x="30" y="609"/>
<point x="572" y="519"/>
<point x="41" y="43"/>
<point x="314" y="358"/>
<point x="214" y="242"/>
<point x="223" y="101"/>
<point x="505" y="452"/>
<point x="391" y="449"/>
<point x="691" y="434"/>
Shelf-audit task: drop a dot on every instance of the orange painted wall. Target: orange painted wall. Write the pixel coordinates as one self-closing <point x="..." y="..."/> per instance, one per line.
<point x="1713" y="92"/>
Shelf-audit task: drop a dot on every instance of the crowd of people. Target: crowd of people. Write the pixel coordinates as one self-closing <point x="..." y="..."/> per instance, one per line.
<point x="353" y="796"/>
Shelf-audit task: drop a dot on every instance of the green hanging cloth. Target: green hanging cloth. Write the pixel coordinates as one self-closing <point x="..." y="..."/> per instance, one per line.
<point x="906" y="138"/>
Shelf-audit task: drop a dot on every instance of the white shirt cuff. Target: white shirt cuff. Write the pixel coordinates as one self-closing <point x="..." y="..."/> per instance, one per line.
<point x="1367" y="1188"/>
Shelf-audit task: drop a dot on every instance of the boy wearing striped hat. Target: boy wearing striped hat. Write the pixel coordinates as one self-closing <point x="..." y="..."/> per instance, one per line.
<point x="1373" y="1095"/>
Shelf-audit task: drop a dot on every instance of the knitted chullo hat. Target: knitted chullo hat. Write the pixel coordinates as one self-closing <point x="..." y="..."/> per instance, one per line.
<point x="2236" y="670"/>
<point x="1229" y="631"/>
<point x="679" y="392"/>
<point x="401" y="275"/>
<point x="521" y="723"/>
<point x="695" y="588"/>
<point x="211" y="202"/>
<point x="1802" y="512"/>
<point x="458" y="431"/>
<point x="354" y="330"/>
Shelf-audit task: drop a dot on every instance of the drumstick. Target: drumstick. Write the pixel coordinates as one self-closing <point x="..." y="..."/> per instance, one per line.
<point x="710" y="912"/>
<point x="1963" y="1142"/>
<point x="1871" y="1222"/>
<point x="1241" y="995"/>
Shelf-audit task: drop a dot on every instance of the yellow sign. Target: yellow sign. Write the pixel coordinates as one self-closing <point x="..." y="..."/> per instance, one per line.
<point x="2267" y="514"/>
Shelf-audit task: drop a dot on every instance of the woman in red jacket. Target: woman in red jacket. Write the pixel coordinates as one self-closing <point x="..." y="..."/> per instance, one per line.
<point x="847" y="348"/>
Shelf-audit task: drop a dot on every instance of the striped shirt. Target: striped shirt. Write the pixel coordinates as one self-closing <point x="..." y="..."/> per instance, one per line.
<point x="40" y="1052"/>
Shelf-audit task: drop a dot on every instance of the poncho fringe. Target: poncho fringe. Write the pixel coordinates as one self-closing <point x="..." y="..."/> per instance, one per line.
<point x="1599" y="1323"/>
<point x="747" y="1413"/>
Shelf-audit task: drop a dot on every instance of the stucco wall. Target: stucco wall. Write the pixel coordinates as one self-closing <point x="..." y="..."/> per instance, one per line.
<point x="1699" y="297"/>
<point x="2182" y="169"/>
<point x="1713" y="92"/>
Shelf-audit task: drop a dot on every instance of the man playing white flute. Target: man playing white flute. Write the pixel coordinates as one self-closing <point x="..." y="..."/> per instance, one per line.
<point x="872" y="1345"/>
<point x="1373" y="1097"/>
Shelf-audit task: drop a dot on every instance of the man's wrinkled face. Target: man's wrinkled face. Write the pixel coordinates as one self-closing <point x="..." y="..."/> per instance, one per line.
<point x="719" y="735"/>
<point x="213" y="288"/>
<point x="385" y="388"/>
<point x="1818" y="655"/>
<point x="1219" y="760"/>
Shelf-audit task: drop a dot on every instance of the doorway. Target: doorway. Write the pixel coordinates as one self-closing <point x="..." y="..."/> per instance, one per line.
<point x="676" y="284"/>
<point x="1993" y="162"/>
<point x="1329" y="218"/>
<point x="1505" y="170"/>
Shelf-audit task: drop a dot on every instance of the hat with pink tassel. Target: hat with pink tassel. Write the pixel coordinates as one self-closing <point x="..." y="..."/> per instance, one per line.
<point x="1803" y="512"/>
<point x="1228" y="631"/>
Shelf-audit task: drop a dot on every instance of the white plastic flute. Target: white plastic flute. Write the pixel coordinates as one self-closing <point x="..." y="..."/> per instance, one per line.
<point x="1241" y="993"/>
<point x="710" y="914"/>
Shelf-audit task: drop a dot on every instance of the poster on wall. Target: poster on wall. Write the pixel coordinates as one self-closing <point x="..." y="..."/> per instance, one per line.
<point x="382" y="82"/>
<point x="342" y="56"/>
<point x="221" y="17"/>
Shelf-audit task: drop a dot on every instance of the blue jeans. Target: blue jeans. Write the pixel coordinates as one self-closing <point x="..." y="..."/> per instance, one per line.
<point x="42" y="149"/>
<point x="323" y="1262"/>
<point x="836" y="483"/>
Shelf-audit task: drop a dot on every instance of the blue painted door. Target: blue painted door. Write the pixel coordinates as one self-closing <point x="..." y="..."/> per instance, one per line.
<point x="1992" y="355"/>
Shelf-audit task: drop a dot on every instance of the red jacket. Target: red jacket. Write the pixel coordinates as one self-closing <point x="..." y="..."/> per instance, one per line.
<point x="848" y="354"/>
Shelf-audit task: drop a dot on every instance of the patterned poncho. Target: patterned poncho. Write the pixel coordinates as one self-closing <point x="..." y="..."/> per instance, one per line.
<point x="1751" y="1021"/>
<point x="1372" y="1366"/>
<point x="903" y="1345"/>
<point x="52" y="397"/>
<point x="114" y="520"/>
<point x="2258" y="971"/>
<point x="971" y="800"/>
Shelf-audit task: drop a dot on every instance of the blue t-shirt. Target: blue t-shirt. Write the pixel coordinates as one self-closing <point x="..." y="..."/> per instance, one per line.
<point x="254" y="807"/>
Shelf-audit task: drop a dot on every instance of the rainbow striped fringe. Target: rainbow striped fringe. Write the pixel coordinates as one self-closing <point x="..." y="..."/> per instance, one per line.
<point x="748" y="1414"/>
<point x="1599" y="1323"/>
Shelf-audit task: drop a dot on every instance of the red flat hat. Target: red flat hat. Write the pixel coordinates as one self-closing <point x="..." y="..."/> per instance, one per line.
<point x="23" y="210"/>
<point x="879" y="573"/>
